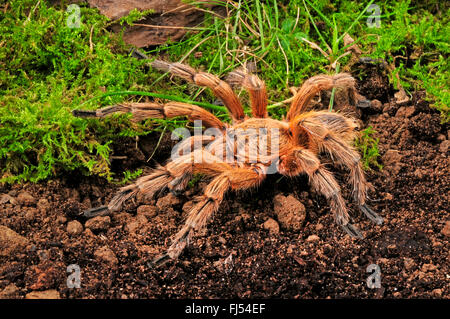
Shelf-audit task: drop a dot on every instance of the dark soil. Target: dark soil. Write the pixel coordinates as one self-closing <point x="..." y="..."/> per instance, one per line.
<point x="237" y="256"/>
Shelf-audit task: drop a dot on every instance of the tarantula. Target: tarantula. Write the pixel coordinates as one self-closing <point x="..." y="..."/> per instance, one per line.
<point x="298" y="141"/>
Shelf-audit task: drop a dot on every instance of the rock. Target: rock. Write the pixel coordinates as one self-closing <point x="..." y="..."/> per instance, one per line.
<point x="428" y="268"/>
<point x="446" y="230"/>
<point x="44" y="275"/>
<point x="106" y="255"/>
<point x="30" y="215"/>
<point x="61" y="220"/>
<point x="121" y="218"/>
<point x="167" y="201"/>
<point x="10" y="241"/>
<point x="441" y="138"/>
<point x="401" y="97"/>
<point x="392" y="160"/>
<point x="148" y="211"/>
<point x="43" y="205"/>
<point x="6" y="198"/>
<point x="147" y="249"/>
<point x="388" y="108"/>
<point x="290" y="212"/>
<point x="312" y="238"/>
<point x="272" y="226"/>
<point x="47" y="294"/>
<point x="135" y="223"/>
<point x="409" y="263"/>
<point x="437" y="292"/>
<point x="74" y="228"/>
<point x="444" y="146"/>
<point x="319" y="227"/>
<point x="98" y="223"/>
<point x="10" y="292"/>
<point x="376" y="105"/>
<point x="391" y="157"/>
<point x="26" y="199"/>
<point x="405" y="111"/>
<point x="89" y="234"/>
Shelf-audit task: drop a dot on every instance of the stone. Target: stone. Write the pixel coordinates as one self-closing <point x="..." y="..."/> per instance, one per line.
<point x="392" y="161"/>
<point x="148" y="211"/>
<point x="43" y="205"/>
<point x="47" y="294"/>
<point x="10" y="241"/>
<point x="272" y="226"/>
<point x="437" y="293"/>
<point x="376" y="105"/>
<point x="106" y="255"/>
<point x="74" y="228"/>
<point x="26" y="199"/>
<point x="10" y="292"/>
<point x="6" y="198"/>
<point x="444" y="146"/>
<point x="167" y="201"/>
<point x="312" y="238"/>
<point x="290" y="212"/>
<point x="405" y="111"/>
<point x="98" y="223"/>
<point x="409" y="263"/>
<point x="61" y="220"/>
<point x="391" y="157"/>
<point x="44" y="275"/>
<point x="428" y="267"/>
<point x="135" y="223"/>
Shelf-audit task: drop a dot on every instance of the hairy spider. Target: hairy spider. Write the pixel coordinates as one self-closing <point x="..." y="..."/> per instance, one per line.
<point x="298" y="141"/>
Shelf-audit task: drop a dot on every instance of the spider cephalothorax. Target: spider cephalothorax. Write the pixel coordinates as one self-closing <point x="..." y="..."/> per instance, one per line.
<point x="291" y="145"/>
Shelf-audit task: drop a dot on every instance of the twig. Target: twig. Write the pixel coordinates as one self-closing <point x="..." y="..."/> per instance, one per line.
<point x="315" y="46"/>
<point x="32" y="11"/>
<point x="91" y="45"/>
<point x="286" y="60"/>
<point x="169" y="27"/>
<point x="272" y="106"/>
<point x="157" y="145"/>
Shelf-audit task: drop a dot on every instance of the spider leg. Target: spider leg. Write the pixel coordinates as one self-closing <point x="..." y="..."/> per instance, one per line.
<point x="313" y="86"/>
<point x="220" y="88"/>
<point x="256" y="89"/>
<point x="142" y="111"/>
<point x="236" y="179"/>
<point x="333" y="133"/>
<point x="322" y="181"/>
<point x="174" y="176"/>
<point x="346" y="156"/>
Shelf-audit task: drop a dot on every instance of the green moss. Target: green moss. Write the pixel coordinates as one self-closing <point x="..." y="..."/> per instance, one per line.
<point x="368" y="147"/>
<point x="48" y="69"/>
